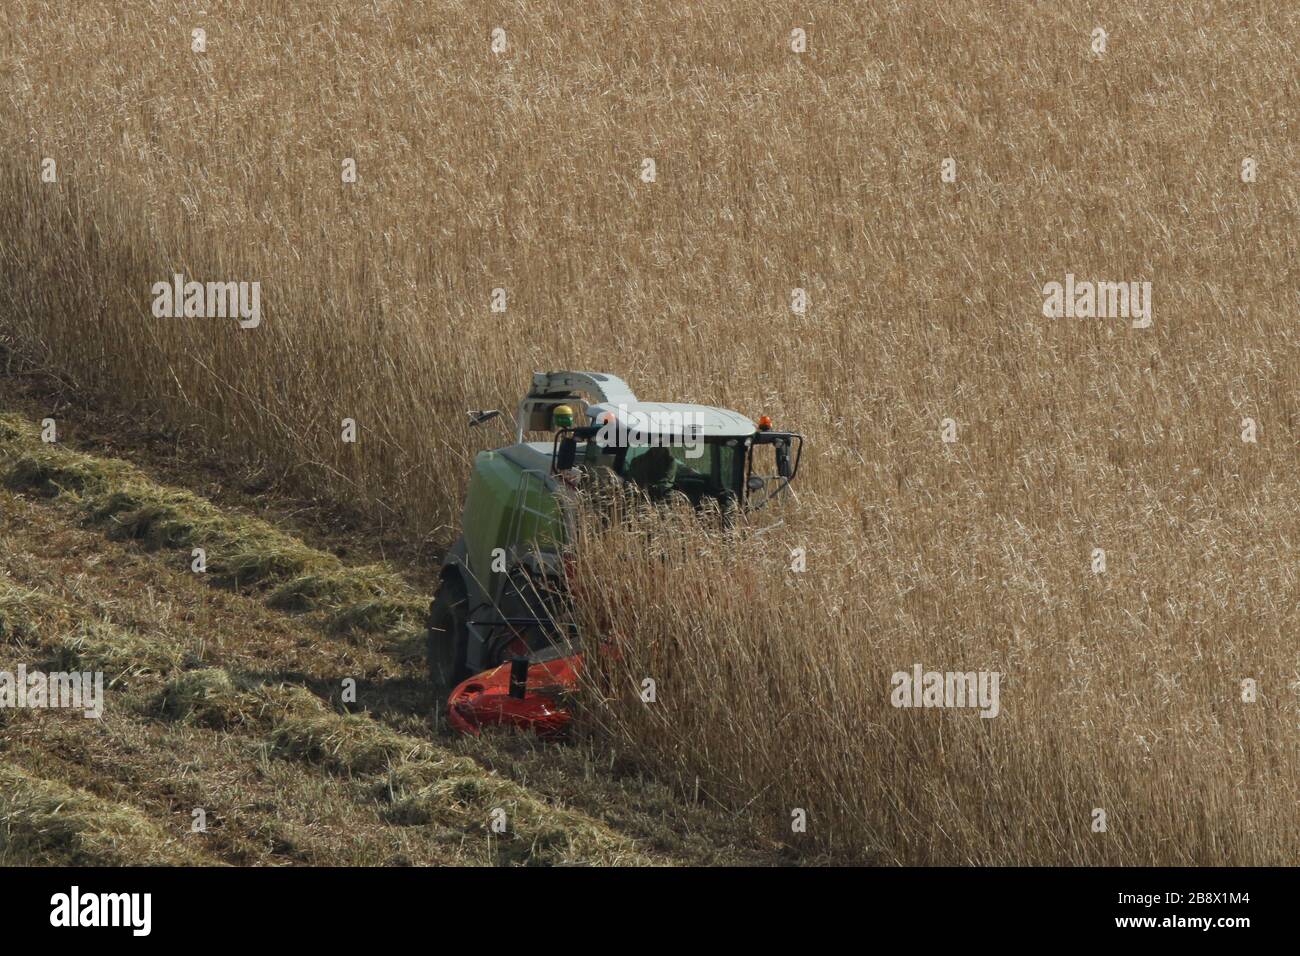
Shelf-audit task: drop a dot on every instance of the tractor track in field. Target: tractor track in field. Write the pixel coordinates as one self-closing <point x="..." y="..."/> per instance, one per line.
<point x="225" y="698"/>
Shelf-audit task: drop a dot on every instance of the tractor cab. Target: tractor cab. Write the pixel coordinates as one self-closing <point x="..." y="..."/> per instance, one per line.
<point x="690" y="453"/>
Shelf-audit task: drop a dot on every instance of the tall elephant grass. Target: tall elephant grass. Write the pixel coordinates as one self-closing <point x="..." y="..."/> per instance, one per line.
<point x="767" y="689"/>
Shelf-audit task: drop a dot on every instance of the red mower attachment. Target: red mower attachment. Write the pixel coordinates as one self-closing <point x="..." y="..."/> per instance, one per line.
<point x="517" y="694"/>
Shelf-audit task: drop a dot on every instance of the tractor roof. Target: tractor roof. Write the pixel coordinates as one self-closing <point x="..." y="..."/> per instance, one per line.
<point x="675" y="418"/>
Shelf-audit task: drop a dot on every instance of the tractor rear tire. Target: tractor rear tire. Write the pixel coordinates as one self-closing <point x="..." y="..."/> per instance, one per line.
<point x="447" y="636"/>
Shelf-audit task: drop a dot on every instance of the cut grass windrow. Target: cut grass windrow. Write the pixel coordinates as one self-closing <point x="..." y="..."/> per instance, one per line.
<point x="19" y="608"/>
<point x="120" y="654"/>
<point x="416" y="783"/>
<point x="88" y="643"/>
<point x="240" y="552"/>
<point x="45" y="822"/>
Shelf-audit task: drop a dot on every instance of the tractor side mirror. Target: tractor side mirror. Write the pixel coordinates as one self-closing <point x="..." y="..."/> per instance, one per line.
<point x="783" y="468"/>
<point x="478" y="417"/>
<point x="567" y="453"/>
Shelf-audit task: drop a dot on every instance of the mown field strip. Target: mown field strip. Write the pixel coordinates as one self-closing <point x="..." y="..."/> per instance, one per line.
<point x="217" y="696"/>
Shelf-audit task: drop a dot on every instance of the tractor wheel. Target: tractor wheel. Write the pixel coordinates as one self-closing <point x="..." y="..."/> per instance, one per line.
<point x="447" y="634"/>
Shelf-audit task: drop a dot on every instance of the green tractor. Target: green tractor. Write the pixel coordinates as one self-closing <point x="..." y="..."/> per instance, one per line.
<point x="504" y="576"/>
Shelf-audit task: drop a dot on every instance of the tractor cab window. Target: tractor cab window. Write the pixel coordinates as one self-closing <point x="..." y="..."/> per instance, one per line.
<point x="710" y="468"/>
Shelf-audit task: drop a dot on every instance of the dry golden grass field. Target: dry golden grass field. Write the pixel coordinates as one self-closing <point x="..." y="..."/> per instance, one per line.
<point x="775" y="170"/>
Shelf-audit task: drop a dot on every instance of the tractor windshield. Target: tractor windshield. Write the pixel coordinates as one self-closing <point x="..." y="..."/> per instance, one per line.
<point x="712" y="468"/>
